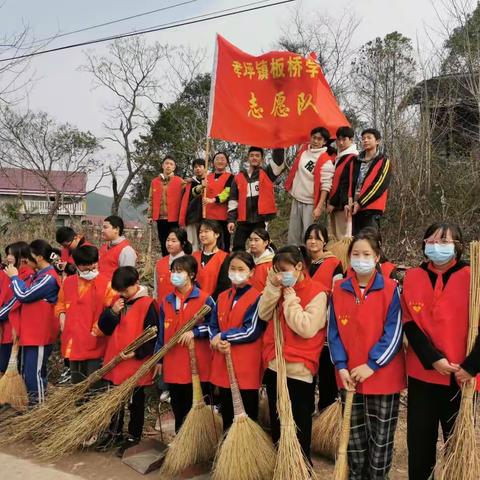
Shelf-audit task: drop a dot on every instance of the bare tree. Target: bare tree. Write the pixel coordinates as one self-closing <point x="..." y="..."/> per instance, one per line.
<point x="130" y="74"/>
<point x="34" y="141"/>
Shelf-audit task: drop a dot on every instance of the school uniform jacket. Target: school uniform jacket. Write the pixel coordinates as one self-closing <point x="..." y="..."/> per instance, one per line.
<point x="109" y="256"/>
<point x="210" y="271"/>
<point x="191" y="205"/>
<point x="140" y="313"/>
<point x="436" y="316"/>
<point x="325" y="272"/>
<point x="297" y="349"/>
<point x="215" y="186"/>
<point x="236" y="318"/>
<point x="81" y="314"/>
<point x="323" y="158"/>
<point x="37" y="324"/>
<point x="367" y="328"/>
<point x="10" y="306"/>
<point x="174" y="198"/>
<point x="175" y="311"/>
<point x="338" y="195"/>
<point x="374" y="191"/>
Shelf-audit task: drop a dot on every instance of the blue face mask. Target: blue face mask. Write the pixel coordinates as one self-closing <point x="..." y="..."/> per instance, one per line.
<point x="440" y="254"/>
<point x="289" y="279"/>
<point x="362" y="266"/>
<point x="178" y="279"/>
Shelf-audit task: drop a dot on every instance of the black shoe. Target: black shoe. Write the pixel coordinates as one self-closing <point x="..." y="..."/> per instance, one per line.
<point x="108" y="442"/>
<point x="127" y="443"/>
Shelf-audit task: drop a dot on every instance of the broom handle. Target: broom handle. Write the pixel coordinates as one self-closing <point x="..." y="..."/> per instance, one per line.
<point x="347" y="416"/>
<point x="349" y="226"/>
<point x="238" y="408"/>
<point x="13" y="360"/>
<point x="204" y="194"/>
<point x="196" y="385"/>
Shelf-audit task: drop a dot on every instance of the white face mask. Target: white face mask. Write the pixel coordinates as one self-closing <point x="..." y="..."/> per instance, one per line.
<point x="90" y="275"/>
<point x="238" y="278"/>
<point x="362" y="266"/>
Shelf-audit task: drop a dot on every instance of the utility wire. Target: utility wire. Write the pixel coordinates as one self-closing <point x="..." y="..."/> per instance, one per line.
<point x="180" y="23"/>
<point x="84" y="29"/>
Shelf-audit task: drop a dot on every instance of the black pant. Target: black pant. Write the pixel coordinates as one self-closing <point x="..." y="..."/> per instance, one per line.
<point x="81" y="369"/>
<point x="164" y="227"/>
<point x="302" y="397"/>
<point x="225" y="243"/>
<point x="327" y="383"/>
<point x="366" y="218"/>
<point x="428" y="405"/>
<point x="242" y="232"/>
<point x="250" y="403"/>
<point x="136" y="407"/>
<point x="181" y="397"/>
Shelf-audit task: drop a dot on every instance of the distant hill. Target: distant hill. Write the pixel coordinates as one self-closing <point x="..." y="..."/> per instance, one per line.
<point x="100" y="205"/>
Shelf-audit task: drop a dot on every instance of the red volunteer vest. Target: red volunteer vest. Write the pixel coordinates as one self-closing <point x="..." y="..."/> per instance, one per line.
<point x="38" y="324"/>
<point x="325" y="271"/>
<point x="108" y="257"/>
<point x="174" y="198"/>
<point x="259" y="278"/>
<point x="128" y="329"/>
<point x="176" y="363"/>
<point x="207" y="276"/>
<point x="184" y="205"/>
<point x="246" y="357"/>
<point x="215" y="186"/>
<point x="13" y="321"/>
<point x="387" y="269"/>
<point x="266" y="195"/>
<point x="322" y="159"/>
<point x="340" y="166"/>
<point x="360" y="326"/>
<point x="164" y="287"/>
<point x="81" y="315"/>
<point x="296" y="348"/>
<point x="443" y="316"/>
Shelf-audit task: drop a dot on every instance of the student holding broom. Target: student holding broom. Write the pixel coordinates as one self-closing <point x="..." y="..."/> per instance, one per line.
<point x="236" y="328"/>
<point x="176" y="309"/>
<point x="81" y="300"/>
<point x="262" y="250"/>
<point x="212" y="276"/>
<point x="301" y="304"/>
<point x="37" y="296"/>
<point x="132" y="311"/>
<point x="436" y="317"/>
<point x="365" y="339"/>
<point x="18" y="254"/>
<point x="177" y="245"/>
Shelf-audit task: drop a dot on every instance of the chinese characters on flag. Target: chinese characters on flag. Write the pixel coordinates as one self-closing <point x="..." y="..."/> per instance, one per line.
<point x="272" y="100"/>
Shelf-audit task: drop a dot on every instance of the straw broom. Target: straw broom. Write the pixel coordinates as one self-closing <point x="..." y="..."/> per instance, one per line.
<point x="326" y="430"/>
<point x="461" y="460"/>
<point x="341" y="463"/>
<point x="197" y="439"/>
<point x="13" y="390"/>
<point x="59" y="405"/>
<point x="291" y="463"/>
<point x="247" y="452"/>
<point x="94" y="417"/>
<point x="340" y="247"/>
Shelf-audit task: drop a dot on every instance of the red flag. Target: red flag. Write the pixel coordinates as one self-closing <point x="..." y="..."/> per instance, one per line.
<point x="272" y="100"/>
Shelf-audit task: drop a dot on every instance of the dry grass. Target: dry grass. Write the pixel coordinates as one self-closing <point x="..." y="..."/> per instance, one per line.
<point x="13" y="390"/>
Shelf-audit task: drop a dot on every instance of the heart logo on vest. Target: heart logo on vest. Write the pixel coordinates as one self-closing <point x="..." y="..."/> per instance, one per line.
<point x="168" y="322"/>
<point x="417" y="306"/>
<point x="344" y="319"/>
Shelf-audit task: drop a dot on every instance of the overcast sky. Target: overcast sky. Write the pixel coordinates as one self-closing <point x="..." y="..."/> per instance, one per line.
<point x="66" y="93"/>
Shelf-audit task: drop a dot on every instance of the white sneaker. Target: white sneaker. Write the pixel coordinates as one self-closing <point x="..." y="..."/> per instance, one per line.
<point x="165" y="396"/>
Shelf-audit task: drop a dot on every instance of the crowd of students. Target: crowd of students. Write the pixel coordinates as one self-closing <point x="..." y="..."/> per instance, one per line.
<point x="342" y="330"/>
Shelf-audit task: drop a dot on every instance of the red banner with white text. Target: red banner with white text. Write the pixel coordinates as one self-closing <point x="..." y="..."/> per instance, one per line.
<point x="270" y="100"/>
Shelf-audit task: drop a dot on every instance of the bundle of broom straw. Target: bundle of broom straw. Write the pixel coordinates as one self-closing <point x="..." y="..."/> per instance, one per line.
<point x="291" y="463"/>
<point x="94" y="417"/>
<point x="340" y="247"/>
<point x="13" y="390"/>
<point x="341" y="463"/>
<point x="326" y="430"/>
<point x="461" y="455"/>
<point x="197" y="439"/>
<point x="247" y="452"/>
<point x="60" y="404"/>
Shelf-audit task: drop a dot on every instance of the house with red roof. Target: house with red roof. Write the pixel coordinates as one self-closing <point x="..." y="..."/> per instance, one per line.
<point x="35" y="194"/>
